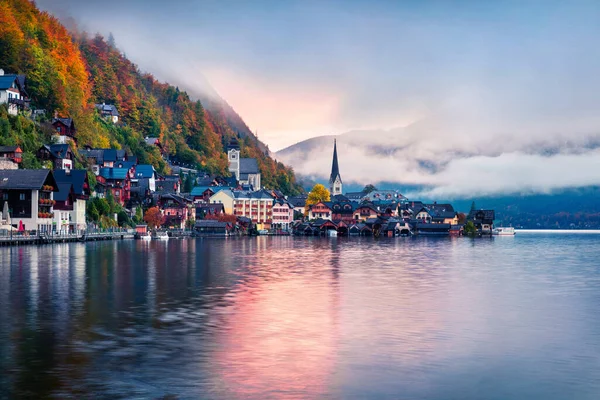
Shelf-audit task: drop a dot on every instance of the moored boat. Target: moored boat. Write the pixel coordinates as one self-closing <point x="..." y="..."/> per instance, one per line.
<point x="160" y="236"/>
<point x="503" y="231"/>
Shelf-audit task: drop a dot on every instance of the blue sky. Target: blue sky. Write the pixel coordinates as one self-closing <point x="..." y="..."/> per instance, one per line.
<point x="527" y="70"/>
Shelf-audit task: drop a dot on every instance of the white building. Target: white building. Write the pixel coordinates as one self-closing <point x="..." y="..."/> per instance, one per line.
<point x="29" y="193"/>
<point x="258" y="206"/>
<point x="12" y="91"/>
<point x="245" y="170"/>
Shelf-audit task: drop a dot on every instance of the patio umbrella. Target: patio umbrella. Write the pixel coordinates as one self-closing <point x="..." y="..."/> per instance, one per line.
<point x="21" y="226"/>
<point x="5" y="212"/>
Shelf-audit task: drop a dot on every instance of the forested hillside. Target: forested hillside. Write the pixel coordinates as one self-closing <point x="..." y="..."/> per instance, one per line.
<point x="69" y="72"/>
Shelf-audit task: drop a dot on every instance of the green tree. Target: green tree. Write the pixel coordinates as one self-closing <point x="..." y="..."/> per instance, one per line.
<point x="92" y="211"/>
<point x="469" y="229"/>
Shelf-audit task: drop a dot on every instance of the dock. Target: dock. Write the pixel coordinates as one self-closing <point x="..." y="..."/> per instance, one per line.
<point x="20" y="238"/>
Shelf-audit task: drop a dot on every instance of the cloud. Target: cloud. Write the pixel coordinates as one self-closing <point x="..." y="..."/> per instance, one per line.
<point x="481" y="88"/>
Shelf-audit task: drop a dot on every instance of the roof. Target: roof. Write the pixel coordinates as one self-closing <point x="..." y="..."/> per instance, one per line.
<point x="335" y="169"/>
<point x="151" y="141"/>
<point x="6" y="81"/>
<point x="298" y="201"/>
<point x="114" y="173"/>
<point x="29" y="179"/>
<point x="57" y="150"/>
<point x="9" y="149"/>
<point x="144" y="171"/>
<point x="485" y="215"/>
<point x="110" y="155"/>
<point x="65" y="121"/>
<point x="63" y="191"/>
<point x="199" y="190"/>
<point x="76" y="177"/>
<point x="261" y="194"/>
<point x="212" y="207"/>
<point x="108" y="108"/>
<point x="249" y="166"/>
<point x="124" y="164"/>
<point x="210" y="223"/>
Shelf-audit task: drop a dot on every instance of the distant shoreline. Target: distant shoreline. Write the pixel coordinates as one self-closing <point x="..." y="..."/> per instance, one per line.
<point x="578" y="231"/>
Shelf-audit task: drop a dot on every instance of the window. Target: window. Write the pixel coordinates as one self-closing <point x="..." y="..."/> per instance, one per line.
<point x="58" y="129"/>
<point x="21" y="196"/>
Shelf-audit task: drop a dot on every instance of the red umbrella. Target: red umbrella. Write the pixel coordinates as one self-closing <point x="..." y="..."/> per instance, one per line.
<point x="21" y="226"/>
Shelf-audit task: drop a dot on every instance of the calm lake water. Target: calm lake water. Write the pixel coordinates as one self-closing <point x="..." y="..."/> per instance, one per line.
<point x="301" y="318"/>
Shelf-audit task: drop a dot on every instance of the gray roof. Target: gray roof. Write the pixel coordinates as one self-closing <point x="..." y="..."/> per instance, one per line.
<point x="210" y="223"/>
<point x="66" y="121"/>
<point x="30" y="179"/>
<point x="248" y="166"/>
<point x="8" y="149"/>
<point x="57" y="150"/>
<point x="108" y="109"/>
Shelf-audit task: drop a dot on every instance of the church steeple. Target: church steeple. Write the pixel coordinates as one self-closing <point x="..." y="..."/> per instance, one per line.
<point x="335" y="179"/>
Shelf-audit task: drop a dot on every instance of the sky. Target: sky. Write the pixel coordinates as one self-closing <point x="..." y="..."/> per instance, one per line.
<point x="480" y="73"/>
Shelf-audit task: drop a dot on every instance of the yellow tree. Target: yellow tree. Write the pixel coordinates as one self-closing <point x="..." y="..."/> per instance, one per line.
<point x="317" y="194"/>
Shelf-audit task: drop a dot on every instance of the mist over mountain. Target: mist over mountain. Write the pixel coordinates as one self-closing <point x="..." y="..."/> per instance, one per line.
<point x="457" y="160"/>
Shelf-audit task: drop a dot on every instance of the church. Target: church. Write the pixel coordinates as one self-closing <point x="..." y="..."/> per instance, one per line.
<point x="335" y="179"/>
<point x="245" y="170"/>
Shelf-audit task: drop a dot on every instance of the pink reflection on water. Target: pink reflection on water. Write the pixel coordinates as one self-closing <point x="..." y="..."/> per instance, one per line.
<point x="282" y="337"/>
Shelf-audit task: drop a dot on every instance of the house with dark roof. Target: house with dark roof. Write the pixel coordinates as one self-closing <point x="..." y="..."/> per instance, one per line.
<point x="176" y="209"/>
<point x="117" y="181"/>
<point x="71" y="200"/>
<point x="29" y="193"/>
<point x="343" y="209"/>
<point x="321" y="209"/>
<point x="208" y="227"/>
<point x="143" y="182"/>
<point x="245" y="170"/>
<point x="299" y="203"/>
<point x="13" y="93"/>
<point x="168" y="184"/>
<point x="60" y="155"/>
<point x="108" y="112"/>
<point x="483" y="220"/>
<point x="64" y="130"/>
<point x="364" y="212"/>
<point x="202" y="210"/>
<point x="11" y="153"/>
<point x="204" y="193"/>
<point x="106" y="158"/>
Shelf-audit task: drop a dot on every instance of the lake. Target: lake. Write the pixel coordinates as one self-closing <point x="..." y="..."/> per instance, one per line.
<point x="303" y="318"/>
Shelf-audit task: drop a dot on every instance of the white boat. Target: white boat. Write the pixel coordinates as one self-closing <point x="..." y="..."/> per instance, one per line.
<point x="503" y="231"/>
<point x="143" y="236"/>
<point x="263" y="232"/>
<point x="160" y="236"/>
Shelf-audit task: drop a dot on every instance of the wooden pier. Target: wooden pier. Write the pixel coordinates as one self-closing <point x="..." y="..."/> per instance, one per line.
<point x="42" y="238"/>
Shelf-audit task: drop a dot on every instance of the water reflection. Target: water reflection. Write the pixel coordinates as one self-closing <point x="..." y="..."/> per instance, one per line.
<point x="302" y="318"/>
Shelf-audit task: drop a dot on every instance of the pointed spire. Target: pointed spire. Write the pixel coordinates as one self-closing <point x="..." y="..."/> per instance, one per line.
<point x="335" y="169"/>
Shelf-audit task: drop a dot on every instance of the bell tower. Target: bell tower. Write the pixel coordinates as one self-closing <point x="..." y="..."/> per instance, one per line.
<point x="335" y="179"/>
<point x="233" y="156"/>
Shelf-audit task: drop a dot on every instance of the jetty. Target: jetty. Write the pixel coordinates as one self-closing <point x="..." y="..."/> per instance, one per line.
<point x="29" y="238"/>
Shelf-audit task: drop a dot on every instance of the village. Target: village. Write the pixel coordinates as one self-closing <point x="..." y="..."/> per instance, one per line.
<point x="56" y="200"/>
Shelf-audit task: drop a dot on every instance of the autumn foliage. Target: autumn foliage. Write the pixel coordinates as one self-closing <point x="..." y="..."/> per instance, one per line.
<point x="68" y="72"/>
<point x="154" y="218"/>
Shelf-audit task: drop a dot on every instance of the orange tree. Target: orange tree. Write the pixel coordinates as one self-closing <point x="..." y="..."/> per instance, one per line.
<point x="154" y="218"/>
